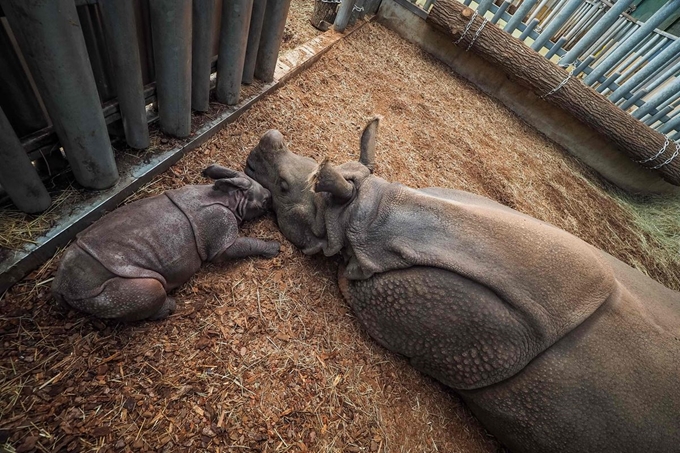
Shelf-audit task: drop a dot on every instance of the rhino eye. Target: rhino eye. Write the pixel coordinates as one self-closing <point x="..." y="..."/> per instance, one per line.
<point x="284" y="185"/>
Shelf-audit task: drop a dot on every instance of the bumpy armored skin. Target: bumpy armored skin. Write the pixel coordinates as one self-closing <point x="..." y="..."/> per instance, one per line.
<point x="555" y="345"/>
<point x="123" y="266"/>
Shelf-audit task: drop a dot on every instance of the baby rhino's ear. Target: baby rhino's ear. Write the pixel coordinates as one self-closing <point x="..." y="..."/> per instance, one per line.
<point x="230" y="184"/>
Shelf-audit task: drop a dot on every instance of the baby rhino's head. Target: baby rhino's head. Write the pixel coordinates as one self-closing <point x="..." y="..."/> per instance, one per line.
<point x="246" y="196"/>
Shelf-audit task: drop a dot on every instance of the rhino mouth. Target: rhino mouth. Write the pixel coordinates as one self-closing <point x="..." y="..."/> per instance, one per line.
<point x="250" y="170"/>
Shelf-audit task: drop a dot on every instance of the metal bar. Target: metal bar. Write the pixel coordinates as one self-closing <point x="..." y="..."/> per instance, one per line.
<point x="270" y="41"/>
<point x="57" y="57"/>
<point x="171" y="35"/>
<point x="121" y="33"/>
<point x="500" y="11"/>
<point x="529" y="28"/>
<point x="201" y="53"/>
<point x="519" y="15"/>
<point x="633" y="99"/>
<point x="557" y="46"/>
<point x="484" y="6"/>
<point x="607" y="83"/>
<point x="673" y="123"/>
<point x="232" y="54"/>
<point x="572" y="27"/>
<point x="594" y="33"/>
<point x="627" y="45"/>
<point x="665" y="75"/>
<point x="583" y="65"/>
<point x="254" y="33"/>
<point x="17" y="175"/>
<point x="467" y="2"/>
<point x="554" y="10"/>
<point x="643" y="56"/>
<point x="664" y="111"/>
<point x="428" y="4"/>
<point x="536" y="11"/>
<point x="608" y="37"/>
<point x="343" y="16"/>
<point x="656" y="63"/>
<point x="663" y="94"/>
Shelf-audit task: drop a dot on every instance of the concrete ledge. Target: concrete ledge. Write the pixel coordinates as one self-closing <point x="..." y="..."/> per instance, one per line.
<point x="576" y="137"/>
<point x="72" y="220"/>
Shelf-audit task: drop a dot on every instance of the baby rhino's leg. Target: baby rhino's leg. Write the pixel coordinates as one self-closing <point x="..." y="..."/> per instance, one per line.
<point x="129" y="299"/>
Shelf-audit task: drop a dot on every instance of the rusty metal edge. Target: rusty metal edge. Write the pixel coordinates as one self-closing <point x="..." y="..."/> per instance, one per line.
<point x="19" y="263"/>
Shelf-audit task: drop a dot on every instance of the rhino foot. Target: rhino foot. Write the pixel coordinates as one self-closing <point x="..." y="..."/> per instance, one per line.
<point x="168" y="308"/>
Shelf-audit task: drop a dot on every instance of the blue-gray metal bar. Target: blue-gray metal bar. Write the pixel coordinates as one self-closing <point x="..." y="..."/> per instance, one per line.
<point x="17" y="175"/>
<point x="557" y="46"/>
<point x="663" y="94"/>
<point x="270" y="41"/>
<point x="428" y="4"/>
<point x="529" y="28"/>
<point x="659" y="80"/>
<point x="484" y="6"/>
<point x="254" y="33"/>
<point x="607" y="83"/>
<point x="171" y="35"/>
<point x="607" y="39"/>
<point x="467" y="2"/>
<point x="598" y="29"/>
<point x="555" y="24"/>
<point x="232" y="54"/>
<point x="642" y="57"/>
<point x="500" y="11"/>
<point x="583" y="65"/>
<point x="536" y="11"/>
<point x="633" y="99"/>
<point x="656" y="63"/>
<point x="203" y="30"/>
<point x="121" y="35"/>
<point x="632" y="41"/>
<point x="663" y="112"/>
<point x="56" y="54"/>
<point x="343" y="16"/>
<point x="519" y="15"/>
<point x="673" y="123"/>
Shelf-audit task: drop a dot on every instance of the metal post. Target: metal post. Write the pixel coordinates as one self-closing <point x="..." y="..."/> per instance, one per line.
<point x="201" y="53"/>
<point x="233" y="42"/>
<point x="529" y="28"/>
<point x="500" y="11"/>
<point x="632" y="41"/>
<point x="669" y="90"/>
<point x="656" y="63"/>
<point x="121" y="34"/>
<point x="484" y="6"/>
<point x="555" y="24"/>
<point x="56" y="54"/>
<point x="254" y="33"/>
<point x="171" y="35"/>
<point x="344" y="13"/>
<point x="270" y="41"/>
<point x="428" y="5"/>
<point x="519" y="15"/>
<point x="673" y="123"/>
<point x="17" y="175"/>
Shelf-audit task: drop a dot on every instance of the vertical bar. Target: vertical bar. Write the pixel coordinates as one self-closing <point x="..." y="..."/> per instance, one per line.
<point x="519" y="15"/>
<point x="500" y="11"/>
<point x="642" y="56"/>
<point x="428" y="4"/>
<point x="656" y="63"/>
<point x="254" y="33"/>
<point x="636" y="97"/>
<point x="660" y="114"/>
<point x="270" y="41"/>
<point x="663" y="94"/>
<point x="628" y="45"/>
<point x="608" y="82"/>
<point x="527" y="31"/>
<point x="121" y="33"/>
<point x="171" y="36"/>
<point x="673" y="123"/>
<point x="201" y="53"/>
<point x="537" y="11"/>
<point x="484" y="6"/>
<point x="559" y="20"/>
<point x="583" y="65"/>
<point x="233" y="42"/>
<point x="557" y="46"/>
<point x="56" y="54"/>
<point x="17" y="175"/>
<point x="343" y="16"/>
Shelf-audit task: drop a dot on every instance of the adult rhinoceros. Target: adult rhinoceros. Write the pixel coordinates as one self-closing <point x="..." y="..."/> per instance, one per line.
<point x="555" y="345"/>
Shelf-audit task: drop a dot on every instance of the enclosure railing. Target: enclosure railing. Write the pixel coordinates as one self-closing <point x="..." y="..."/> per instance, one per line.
<point x="71" y="68"/>
<point x="633" y="63"/>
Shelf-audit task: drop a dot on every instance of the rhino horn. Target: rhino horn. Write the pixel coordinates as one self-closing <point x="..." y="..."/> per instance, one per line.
<point x="368" y="137"/>
<point x="272" y="141"/>
<point x="327" y="179"/>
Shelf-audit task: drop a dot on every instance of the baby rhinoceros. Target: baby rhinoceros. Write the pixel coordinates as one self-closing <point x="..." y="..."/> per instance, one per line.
<point x="123" y="266"/>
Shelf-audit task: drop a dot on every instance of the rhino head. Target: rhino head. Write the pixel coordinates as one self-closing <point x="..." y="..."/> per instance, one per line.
<point x="303" y="189"/>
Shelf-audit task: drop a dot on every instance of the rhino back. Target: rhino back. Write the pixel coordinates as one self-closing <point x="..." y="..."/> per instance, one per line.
<point x="148" y="238"/>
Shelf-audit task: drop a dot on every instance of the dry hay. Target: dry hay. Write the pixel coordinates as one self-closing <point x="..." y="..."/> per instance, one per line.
<point x="264" y="355"/>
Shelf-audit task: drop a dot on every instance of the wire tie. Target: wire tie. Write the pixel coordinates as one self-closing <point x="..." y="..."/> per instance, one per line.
<point x="663" y="150"/>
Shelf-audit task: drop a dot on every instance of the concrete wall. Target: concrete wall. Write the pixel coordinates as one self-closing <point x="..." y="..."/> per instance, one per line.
<point x="576" y="137"/>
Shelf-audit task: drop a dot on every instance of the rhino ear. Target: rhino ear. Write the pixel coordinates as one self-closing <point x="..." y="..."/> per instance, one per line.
<point x="368" y="137"/>
<point x="215" y="171"/>
<point x="327" y="179"/>
<point x="230" y="184"/>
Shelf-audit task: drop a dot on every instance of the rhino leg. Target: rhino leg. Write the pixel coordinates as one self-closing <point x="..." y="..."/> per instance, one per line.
<point x="244" y="247"/>
<point x="128" y="299"/>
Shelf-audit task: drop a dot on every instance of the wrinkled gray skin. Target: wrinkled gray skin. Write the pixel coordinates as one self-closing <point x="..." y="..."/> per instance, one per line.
<point x="555" y="345"/>
<point x="123" y="266"/>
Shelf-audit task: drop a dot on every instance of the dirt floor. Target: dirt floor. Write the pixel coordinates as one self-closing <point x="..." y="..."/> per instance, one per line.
<point x="264" y="355"/>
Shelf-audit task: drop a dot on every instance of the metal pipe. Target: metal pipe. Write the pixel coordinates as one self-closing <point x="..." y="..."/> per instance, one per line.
<point x="56" y="54"/>
<point x="633" y="99"/>
<point x="527" y="31"/>
<point x="559" y="20"/>
<point x="500" y="11"/>
<point x="656" y="63"/>
<point x="660" y="114"/>
<point x="171" y="35"/>
<point x="643" y="56"/>
<point x="673" y="123"/>
<point x="663" y="95"/>
<point x="201" y="53"/>
<point x="555" y="48"/>
<point x="343" y="16"/>
<point x="537" y="11"/>
<point x="583" y="65"/>
<point x="607" y="37"/>
<point x="270" y="41"/>
<point x="600" y="26"/>
<point x="607" y="83"/>
<point x="232" y="54"/>
<point x="17" y="175"/>
<point x="254" y="33"/>
<point x="627" y="45"/>
<point x="519" y="15"/>
<point x="660" y="79"/>
<point x="121" y="35"/>
<point x="484" y="6"/>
